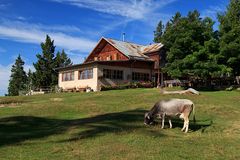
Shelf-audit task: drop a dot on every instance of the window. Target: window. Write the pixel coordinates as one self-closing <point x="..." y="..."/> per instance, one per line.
<point x="68" y="76"/>
<point x="136" y="76"/>
<point x="112" y="74"/>
<point x="95" y="58"/>
<point x="85" y="74"/>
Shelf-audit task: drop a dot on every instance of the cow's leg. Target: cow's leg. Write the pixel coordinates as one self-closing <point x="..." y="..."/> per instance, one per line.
<point x="182" y="116"/>
<point x="186" y="117"/>
<point x="170" y="123"/>
<point x="184" y="126"/>
<point x="187" y="124"/>
<point x="163" y="119"/>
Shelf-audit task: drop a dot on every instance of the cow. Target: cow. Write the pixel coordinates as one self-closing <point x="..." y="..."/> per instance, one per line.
<point x="181" y="108"/>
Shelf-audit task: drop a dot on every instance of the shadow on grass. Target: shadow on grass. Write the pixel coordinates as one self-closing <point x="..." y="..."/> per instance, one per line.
<point x="17" y="129"/>
<point x="198" y="125"/>
<point x="20" y="128"/>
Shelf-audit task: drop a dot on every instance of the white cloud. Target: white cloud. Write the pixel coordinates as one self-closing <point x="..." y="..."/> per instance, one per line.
<point x="133" y="9"/>
<point x="21" y="18"/>
<point x="123" y="8"/>
<point x="212" y="11"/>
<point x="121" y="13"/>
<point x="5" y="72"/>
<point x="36" y="33"/>
<point x="76" y="58"/>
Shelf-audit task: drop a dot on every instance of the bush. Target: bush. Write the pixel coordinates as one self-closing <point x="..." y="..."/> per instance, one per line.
<point x="128" y="85"/>
<point x="144" y="84"/>
<point x="123" y="86"/>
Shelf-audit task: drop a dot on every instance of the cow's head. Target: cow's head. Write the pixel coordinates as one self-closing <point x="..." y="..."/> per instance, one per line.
<point x="148" y="119"/>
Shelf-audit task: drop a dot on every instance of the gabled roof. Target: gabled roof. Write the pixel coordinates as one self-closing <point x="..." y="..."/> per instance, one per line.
<point x="151" y="48"/>
<point x="134" y="50"/>
<point x="130" y="50"/>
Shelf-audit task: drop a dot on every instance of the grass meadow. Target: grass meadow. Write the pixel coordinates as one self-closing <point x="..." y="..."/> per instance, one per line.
<point x="109" y="125"/>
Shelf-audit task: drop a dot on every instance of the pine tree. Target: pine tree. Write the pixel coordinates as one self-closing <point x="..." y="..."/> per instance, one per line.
<point x="192" y="47"/>
<point x="18" y="78"/>
<point x="158" y="33"/>
<point x="44" y="74"/>
<point x="230" y="37"/>
<point x="29" y="82"/>
<point x="61" y="60"/>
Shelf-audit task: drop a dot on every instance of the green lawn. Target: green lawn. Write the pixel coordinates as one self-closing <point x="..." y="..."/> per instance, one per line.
<point x="109" y="125"/>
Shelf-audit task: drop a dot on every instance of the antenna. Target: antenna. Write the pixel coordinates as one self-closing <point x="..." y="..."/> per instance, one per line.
<point x="123" y="36"/>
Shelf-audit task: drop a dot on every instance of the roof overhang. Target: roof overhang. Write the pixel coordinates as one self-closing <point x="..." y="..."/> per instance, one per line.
<point x="90" y="64"/>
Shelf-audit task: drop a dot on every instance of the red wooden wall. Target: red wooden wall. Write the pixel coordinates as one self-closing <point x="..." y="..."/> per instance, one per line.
<point x="156" y="57"/>
<point x="106" y="53"/>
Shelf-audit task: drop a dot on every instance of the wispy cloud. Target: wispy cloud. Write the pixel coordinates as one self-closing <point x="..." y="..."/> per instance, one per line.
<point x="2" y="50"/>
<point x="134" y="9"/>
<point x="76" y="58"/>
<point x="39" y="26"/>
<point x="36" y="33"/>
<point x="21" y="18"/>
<point x="3" y="6"/>
<point x="5" y="72"/>
<point x="121" y="13"/>
<point x="131" y="9"/>
<point x="212" y="11"/>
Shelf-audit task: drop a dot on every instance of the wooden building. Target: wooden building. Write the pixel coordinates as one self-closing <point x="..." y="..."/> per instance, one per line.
<point x="114" y="62"/>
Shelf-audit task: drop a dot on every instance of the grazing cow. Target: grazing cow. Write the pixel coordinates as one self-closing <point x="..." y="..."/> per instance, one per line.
<point x="171" y="108"/>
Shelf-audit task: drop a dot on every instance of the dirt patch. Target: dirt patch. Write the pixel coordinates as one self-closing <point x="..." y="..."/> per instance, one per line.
<point x="11" y="102"/>
<point x="11" y="105"/>
<point x="56" y="99"/>
<point x="233" y="128"/>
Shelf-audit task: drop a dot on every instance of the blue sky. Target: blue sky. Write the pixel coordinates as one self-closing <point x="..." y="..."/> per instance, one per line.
<point x="77" y="25"/>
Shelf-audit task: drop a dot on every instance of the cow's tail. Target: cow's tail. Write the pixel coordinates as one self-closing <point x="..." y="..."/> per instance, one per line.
<point x="194" y="119"/>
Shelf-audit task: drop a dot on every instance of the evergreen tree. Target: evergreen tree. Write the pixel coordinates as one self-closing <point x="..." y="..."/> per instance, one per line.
<point x="45" y="75"/>
<point x="18" y="78"/>
<point x="158" y="33"/>
<point x="61" y="60"/>
<point x="29" y="82"/>
<point x="192" y="47"/>
<point x="230" y="37"/>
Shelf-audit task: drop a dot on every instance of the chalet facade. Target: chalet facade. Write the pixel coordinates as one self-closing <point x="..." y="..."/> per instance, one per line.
<point x="114" y="63"/>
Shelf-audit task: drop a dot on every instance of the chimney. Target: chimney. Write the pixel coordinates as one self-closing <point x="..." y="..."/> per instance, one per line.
<point x="123" y="36"/>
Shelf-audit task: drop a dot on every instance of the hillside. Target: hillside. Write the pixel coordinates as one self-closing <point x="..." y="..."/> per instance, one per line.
<point x="109" y="125"/>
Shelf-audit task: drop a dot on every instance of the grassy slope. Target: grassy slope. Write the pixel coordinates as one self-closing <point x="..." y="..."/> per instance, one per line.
<point x="109" y="125"/>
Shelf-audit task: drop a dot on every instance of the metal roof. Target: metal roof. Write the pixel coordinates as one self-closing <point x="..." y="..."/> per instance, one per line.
<point x="151" y="48"/>
<point x="134" y="50"/>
